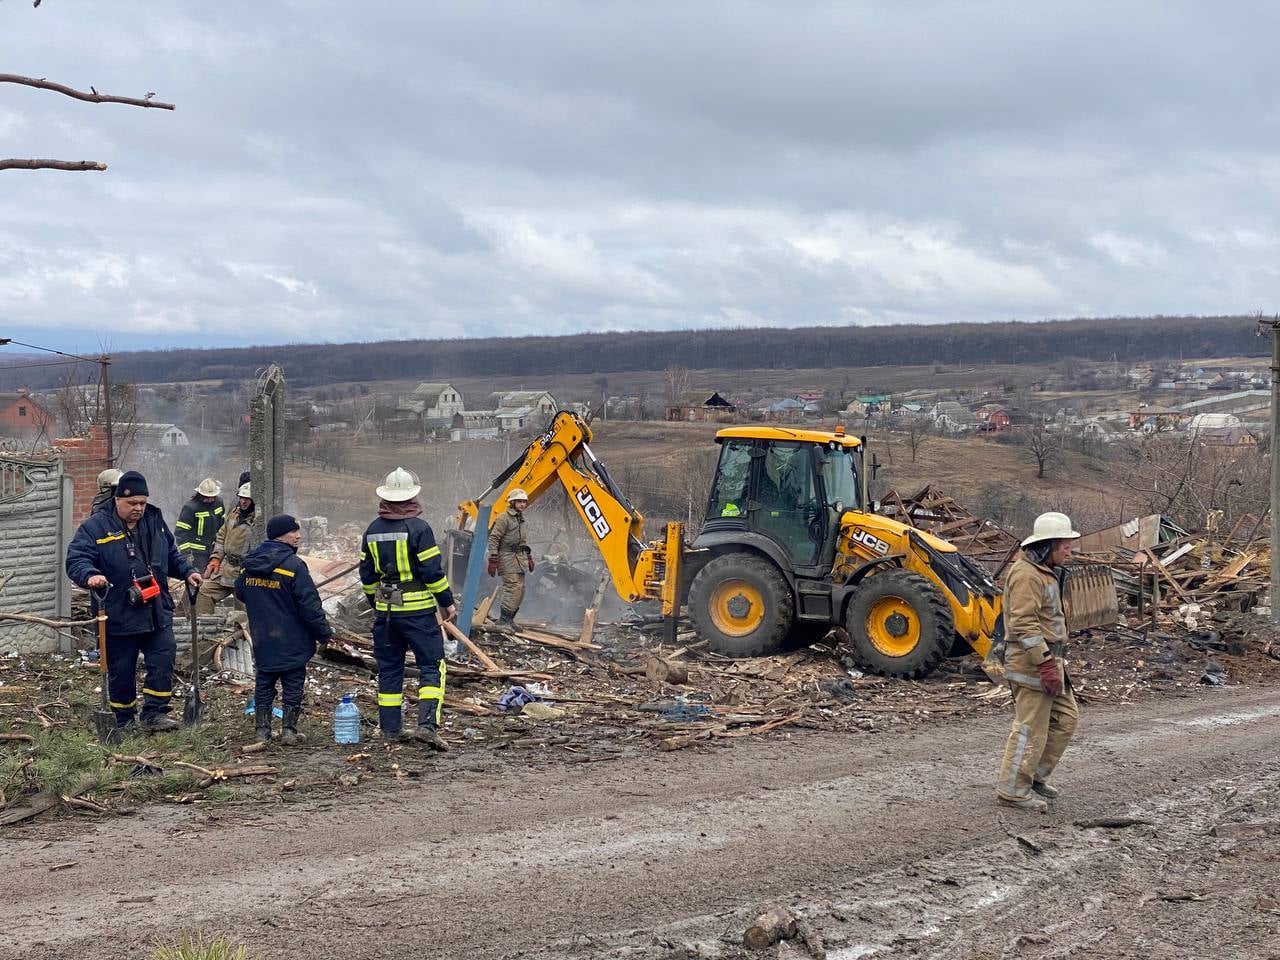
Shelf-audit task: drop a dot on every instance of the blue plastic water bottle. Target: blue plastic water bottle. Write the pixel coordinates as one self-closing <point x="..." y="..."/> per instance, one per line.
<point x="346" y="721"/>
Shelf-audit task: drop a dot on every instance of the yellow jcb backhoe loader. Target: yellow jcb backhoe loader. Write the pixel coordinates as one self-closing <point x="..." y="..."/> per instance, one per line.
<point x="788" y="544"/>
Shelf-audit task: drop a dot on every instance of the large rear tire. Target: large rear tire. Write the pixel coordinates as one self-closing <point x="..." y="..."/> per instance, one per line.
<point x="899" y="624"/>
<point x="741" y="604"/>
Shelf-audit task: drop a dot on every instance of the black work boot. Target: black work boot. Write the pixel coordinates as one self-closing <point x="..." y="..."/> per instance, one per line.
<point x="262" y="724"/>
<point x="159" y="723"/>
<point x="507" y="620"/>
<point x="290" y="736"/>
<point x="427" y="732"/>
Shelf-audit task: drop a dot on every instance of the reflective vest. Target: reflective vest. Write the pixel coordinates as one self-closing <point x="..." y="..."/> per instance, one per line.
<point x="198" y="525"/>
<point x="400" y="567"/>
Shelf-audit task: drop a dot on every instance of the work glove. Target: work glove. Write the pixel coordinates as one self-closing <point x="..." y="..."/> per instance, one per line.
<point x="1050" y="677"/>
<point x="211" y="570"/>
<point x="493" y="566"/>
<point x="529" y="558"/>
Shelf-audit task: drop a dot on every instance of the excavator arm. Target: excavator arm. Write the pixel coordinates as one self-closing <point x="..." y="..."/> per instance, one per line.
<point x="562" y="457"/>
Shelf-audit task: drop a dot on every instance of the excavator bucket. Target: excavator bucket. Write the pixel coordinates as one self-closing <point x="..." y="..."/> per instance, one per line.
<point x="1089" y="597"/>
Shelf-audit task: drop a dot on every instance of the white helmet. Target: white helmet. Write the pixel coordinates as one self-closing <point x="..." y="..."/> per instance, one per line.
<point x="400" y="485"/>
<point x="109" y="478"/>
<point x="209" y="487"/>
<point x="516" y="494"/>
<point x="244" y="492"/>
<point x="1051" y="526"/>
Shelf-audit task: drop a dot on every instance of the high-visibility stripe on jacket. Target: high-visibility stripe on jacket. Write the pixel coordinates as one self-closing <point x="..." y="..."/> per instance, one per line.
<point x="198" y="525"/>
<point x="403" y="554"/>
<point x="286" y="619"/>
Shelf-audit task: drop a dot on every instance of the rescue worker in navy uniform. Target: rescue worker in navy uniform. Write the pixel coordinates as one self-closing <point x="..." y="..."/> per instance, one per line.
<point x="1044" y="708"/>
<point x="130" y="552"/>
<point x="286" y="622"/>
<point x="404" y="583"/>
<point x="509" y="555"/>
<point x="199" y="522"/>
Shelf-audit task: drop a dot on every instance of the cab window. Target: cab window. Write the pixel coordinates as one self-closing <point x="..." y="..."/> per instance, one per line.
<point x="729" y="493"/>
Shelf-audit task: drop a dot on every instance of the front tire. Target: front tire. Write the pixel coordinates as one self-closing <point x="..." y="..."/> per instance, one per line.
<point x="741" y="604"/>
<point x="899" y="625"/>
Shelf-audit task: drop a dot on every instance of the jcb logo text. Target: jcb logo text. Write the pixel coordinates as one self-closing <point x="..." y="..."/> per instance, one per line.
<point x="591" y="510"/>
<point x="871" y="542"/>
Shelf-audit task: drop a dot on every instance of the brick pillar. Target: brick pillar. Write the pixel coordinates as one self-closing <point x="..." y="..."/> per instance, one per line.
<point x="83" y="458"/>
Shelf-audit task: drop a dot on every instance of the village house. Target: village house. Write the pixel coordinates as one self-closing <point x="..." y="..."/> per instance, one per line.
<point x="1156" y="419"/>
<point x="539" y="401"/>
<point x="511" y="419"/>
<point x="1233" y="436"/>
<point x="22" y="415"/>
<point x="775" y="410"/>
<point x="156" y="436"/>
<point x="952" y="417"/>
<point x="869" y="406"/>
<point x="433" y="401"/>
<point x="474" y="425"/>
<point x="699" y="405"/>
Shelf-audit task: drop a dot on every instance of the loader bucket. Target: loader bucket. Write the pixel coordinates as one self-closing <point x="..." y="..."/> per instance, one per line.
<point x="1089" y="597"/>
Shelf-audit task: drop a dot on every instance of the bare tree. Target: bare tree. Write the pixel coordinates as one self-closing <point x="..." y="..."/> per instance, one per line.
<point x="917" y="430"/>
<point x="1042" y="445"/>
<point x="81" y="404"/>
<point x="1188" y="480"/>
<point x="92" y="96"/>
<point x="676" y="383"/>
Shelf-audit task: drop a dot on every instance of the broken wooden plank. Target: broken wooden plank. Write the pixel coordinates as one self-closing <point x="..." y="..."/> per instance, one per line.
<point x="488" y="662"/>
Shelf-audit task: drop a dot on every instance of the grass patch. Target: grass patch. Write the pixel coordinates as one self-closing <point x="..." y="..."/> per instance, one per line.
<point x="60" y="762"/>
<point x="63" y="758"/>
<point x="200" y="946"/>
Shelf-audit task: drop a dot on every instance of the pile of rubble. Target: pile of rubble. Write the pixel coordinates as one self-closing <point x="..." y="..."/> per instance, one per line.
<point x="1164" y="570"/>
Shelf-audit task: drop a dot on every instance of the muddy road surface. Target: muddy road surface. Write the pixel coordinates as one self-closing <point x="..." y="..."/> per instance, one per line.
<point x="885" y="845"/>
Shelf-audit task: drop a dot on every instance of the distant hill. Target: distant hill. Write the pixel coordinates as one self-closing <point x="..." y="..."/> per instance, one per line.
<point x="1127" y="339"/>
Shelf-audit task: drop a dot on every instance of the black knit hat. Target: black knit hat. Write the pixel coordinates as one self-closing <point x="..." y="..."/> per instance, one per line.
<point x="281" y="524"/>
<point x="132" y="484"/>
<point x="244" y="478"/>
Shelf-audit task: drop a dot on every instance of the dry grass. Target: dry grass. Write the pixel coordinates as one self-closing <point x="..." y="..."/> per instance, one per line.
<point x="200" y="946"/>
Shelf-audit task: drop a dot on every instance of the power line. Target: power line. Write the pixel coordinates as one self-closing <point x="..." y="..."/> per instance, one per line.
<point x="31" y="346"/>
<point x="50" y="363"/>
<point x="104" y="381"/>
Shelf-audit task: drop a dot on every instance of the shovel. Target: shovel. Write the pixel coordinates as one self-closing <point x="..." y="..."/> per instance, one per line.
<point x="193" y="710"/>
<point x="104" y="721"/>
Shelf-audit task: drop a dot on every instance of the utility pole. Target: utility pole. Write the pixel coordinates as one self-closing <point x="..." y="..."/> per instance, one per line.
<point x="1274" y="447"/>
<point x="105" y="364"/>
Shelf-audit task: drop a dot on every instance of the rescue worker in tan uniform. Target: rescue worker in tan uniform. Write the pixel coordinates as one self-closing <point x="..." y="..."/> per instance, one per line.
<point x="236" y="540"/>
<point x="1044" y="708"/>
<point x="509" y="554"/>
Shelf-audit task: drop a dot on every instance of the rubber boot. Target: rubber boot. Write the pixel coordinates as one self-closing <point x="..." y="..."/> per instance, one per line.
<point x="262" y="724"/>
<point x="290" y="736"/>
<point x="428" y="733"/>
<point x="1046" y="791"/>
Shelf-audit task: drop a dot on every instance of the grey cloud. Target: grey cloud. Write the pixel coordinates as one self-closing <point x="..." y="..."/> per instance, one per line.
<point x="396" y="169"/>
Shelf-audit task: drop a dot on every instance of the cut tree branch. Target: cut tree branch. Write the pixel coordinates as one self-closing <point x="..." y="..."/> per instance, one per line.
<point x="93" y="97"/>
<point x="51" y="165"/>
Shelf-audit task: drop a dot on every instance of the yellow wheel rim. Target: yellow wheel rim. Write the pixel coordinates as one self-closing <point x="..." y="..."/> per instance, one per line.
<point x="737" y="607"/>
<point x="893" y="626"/>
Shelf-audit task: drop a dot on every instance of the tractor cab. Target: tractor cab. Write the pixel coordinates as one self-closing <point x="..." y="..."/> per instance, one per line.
<point x="791" y="486"/>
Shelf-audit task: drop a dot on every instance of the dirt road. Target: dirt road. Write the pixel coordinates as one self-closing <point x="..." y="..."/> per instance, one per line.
<point x="888" y="845"/>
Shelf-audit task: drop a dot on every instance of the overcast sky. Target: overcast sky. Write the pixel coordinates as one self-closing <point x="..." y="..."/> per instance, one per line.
<point x="339" y="171"/>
